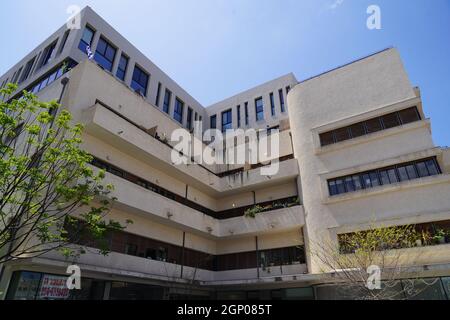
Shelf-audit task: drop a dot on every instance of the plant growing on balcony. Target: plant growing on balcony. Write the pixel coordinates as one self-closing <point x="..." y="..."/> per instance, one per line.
<point x="439" y="236"/>
<point x="347" y="262"/>
<point x="46" y="180"/>
<point x="253" y="211"/>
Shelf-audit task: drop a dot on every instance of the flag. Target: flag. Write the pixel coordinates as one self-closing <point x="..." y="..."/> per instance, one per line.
<point x="89" y="53"/>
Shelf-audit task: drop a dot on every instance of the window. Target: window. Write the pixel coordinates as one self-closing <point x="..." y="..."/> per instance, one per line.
<point x="131" y="249"/>
<point x="16" y="75"/>
<point x="280" y="94"/>
<point x="327" y="138"/>
<point x="390" y="120"/>
<point x="189" y="119"/>
<point x="105" y="53"/>
<point x="246" y="113"/>
<point x="158" y="93"/>
<point x="272" y="104"/>
<point x="238" y="116"/>
<point x="46" y="57"/>
<point x="86" y="39"/>
<point x="227" y="121"/>
<point x="122" y="67"/>
<point x="27" y="70"/>
<point x="385" y="176"/>
<point x="359" y="129"/>
<point x="63" y="41"/>
<point x="259" y="107"/>
<point x="166" y="104"/>
<point x="213" y="122"/>
<point x="409" y="115"/>
<point x="178" y="111"/>
<point x="140" y="81"/>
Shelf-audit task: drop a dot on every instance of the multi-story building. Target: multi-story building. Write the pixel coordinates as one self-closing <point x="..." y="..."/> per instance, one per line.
<point x="355" y="145"/>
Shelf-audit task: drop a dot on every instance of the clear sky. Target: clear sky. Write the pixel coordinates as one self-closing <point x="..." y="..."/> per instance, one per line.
<point x="217" y="48"/>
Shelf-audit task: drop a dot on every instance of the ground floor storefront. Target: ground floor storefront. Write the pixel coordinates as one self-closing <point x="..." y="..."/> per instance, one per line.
<point x="33" y="285"/>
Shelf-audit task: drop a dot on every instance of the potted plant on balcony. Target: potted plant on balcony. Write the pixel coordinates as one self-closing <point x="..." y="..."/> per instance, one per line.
<point x="253" y="211"/>
<point x="439" y="236"/>
<point x="426" y="238"/>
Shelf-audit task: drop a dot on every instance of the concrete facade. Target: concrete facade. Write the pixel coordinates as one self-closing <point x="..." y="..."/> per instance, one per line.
<point x="204" y="213"/>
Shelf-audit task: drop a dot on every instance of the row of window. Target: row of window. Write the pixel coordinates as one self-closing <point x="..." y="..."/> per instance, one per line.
<point x="227" y="115"/>
<point x="105" y="54"/>
<point x="384" y="176"/>
<point x="38" y="61"/>
<point x="134" y="245"/>
<point x="52" y="76"/>
<point x="225" y="214"/>
<point x="390" y="120"/>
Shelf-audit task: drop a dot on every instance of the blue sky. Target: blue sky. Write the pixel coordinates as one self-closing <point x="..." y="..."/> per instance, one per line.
<point x="217" y="48"/>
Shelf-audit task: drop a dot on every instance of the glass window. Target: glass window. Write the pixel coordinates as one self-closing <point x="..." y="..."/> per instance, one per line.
<point x="189" y="119"/>
<point x="239" y="116"/>
<point x="357" y="182"/>
<point x="158" y="92"/>
<point x="373" y="125"/>
<point x="384" y="177"/>
<point x="166" y="104"/>
<point x="409" y="115"/>
<point x="86" y="39"/>
<point x="432" y="166"/>
<point x="280" y="94"/>
<point x="374" y="179"/>
<point x="412" y="174"/>
<point x="402" y="174"/>
<point x="358" y="130"/>
<point x="178" y="111"/>
<point x="367" y="182"/>
<point x="272" y="104"/>
<point x="131" y="249"/>
<point x="227" y="121"/>
<point x="213" y="122"/>
<point x="349" y="184"/>
<point x="104" y="54"/>
<point x="246" y="113"/>
<point x="390" y="120"/>
<point x="340" y="186"/>
<point x="392" y="175"/>
<point x="326" y="138"/>
<point x="341" y="134"/>
<point x="422" y="169"/>
<point x="27" y="70"/>
<point x="259" y="108"/>
<point x="139" y="82"/>
<point x="48" y="54"/>
<point x="122" y="67"/>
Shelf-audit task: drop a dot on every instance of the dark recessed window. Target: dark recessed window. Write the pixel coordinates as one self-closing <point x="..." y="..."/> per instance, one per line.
<point x="104" y="54"/>
<point x="27" y="70"/>
<point x="384" y="176"/>
<point x="390" y="120"/>
<point x="189" y="119"/>
<point x="259" y="108"/>
<point x="373" y="125"/>
<point x="158" y="93"/>
<point x="272" y="104"/>
<point x="178" y="110"/>
<point x="122" y="67"/>
<point x="139" y="82"/>
<point x="166" y="104"/>
<point x="238" y="108"/>
<point x="47" y="55"/>
<point x="358" y="130"/>
<point x="86" y="39"/>
<point x="327" y="138"/>
<point x="341" y="134"/>
<point x="131" y="249"/>
<point x="280" y="94"/>
<point x="213" y="122"/>
<point x="227" y="120"/>
<point x="63" y="41"/>
<point x="409" y="115"/>
<point x="246" y="113"/>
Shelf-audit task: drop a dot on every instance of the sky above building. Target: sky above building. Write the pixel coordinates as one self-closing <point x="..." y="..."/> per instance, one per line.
<point x="217" y="48"/>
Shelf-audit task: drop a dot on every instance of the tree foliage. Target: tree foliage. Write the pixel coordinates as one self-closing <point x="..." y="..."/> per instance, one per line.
<point x="46" y="180"/>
